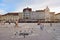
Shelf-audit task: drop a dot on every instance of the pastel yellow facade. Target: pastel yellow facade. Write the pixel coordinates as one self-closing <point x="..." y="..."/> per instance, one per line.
<point x="11" y="16"/>
<point x="52" y="16"/>
<point x="57" y="17"/>
<point x="20" y="15"/>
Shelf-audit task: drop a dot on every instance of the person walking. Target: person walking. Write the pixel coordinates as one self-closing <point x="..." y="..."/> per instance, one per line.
<point x="51" y="24"/>
<point x="41" y="26"/>
<point x="38" y="22"/>
<point x="16" y="27"/>
<point x="16" y="24"/>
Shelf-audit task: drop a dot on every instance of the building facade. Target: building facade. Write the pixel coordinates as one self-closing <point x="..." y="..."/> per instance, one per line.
<point x="57" y="17"/>
<point x="12" y="16"/>
<point x="47" y="14"/>
<point x="52" y="16"/>
<point x="38" y="14"/>
<point x="28" y="14"/>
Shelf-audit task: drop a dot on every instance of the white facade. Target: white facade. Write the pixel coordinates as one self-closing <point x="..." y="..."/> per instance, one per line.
<point x="47" y="14"/>
<point x="37" y="15"/>
<point x="27" y="13"/>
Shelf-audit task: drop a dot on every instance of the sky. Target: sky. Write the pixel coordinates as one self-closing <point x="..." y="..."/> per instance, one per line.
<point x="18" y="5"/>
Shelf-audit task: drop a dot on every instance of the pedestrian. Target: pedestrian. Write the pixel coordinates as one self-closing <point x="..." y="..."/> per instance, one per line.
<point x="16" y="27"/>
<point x="38" y="22"/>
<point x="9" y="22"/>
<point x="51" y="24"/>
<point x="16" y="23"/>
<point x="41" y="26"/>
<point x="32" y="30"/>
<point x="24" y="36"/>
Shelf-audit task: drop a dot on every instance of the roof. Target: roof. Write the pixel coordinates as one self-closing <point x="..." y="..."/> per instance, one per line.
<point x="58" y="14"/>
<point x="0" y="15"/>
<point x="40" y="10"/>
<point x="11" y="14"/>
<point x="27" y="9"/>
<point x="52" y="12"/>
<point x="3" y="15"/>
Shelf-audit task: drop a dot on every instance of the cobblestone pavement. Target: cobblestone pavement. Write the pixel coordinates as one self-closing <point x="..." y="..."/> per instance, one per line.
<point x="7" y="31"/>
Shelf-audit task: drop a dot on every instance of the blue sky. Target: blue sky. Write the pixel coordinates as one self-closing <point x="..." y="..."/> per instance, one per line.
<point x="18" y="5"/>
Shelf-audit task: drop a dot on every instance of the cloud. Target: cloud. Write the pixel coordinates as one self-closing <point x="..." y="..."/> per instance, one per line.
<point x="56" y="9"/>
<point x="2" y="12"/>
<point x="34" y="4"/>
<point x="19" y="5"/>
<point x="38" y="4"/>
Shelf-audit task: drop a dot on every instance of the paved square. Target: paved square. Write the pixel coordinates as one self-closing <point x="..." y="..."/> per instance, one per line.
<point x="7" y="31"/>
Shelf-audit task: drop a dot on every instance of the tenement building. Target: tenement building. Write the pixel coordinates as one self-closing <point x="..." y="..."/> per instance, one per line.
<point x="12" y="16"/>
<point x="28" y="14"/>
<point x="37" y="15"/>
<point x="57" y="17"/>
